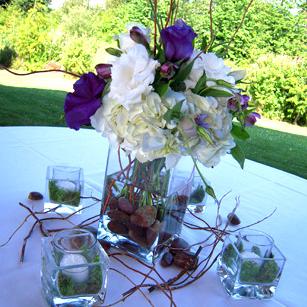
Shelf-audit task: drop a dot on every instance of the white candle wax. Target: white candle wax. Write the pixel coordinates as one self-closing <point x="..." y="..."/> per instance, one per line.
<point x="66" y="185"/>
<point x="78" y="274"/>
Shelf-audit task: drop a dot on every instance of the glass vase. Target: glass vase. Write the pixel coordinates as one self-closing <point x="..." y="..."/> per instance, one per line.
<point x="143" y="204"/>
<point x="64" y="186"/>
<point x="250" y="265"/>
<point x="74" y="269"/>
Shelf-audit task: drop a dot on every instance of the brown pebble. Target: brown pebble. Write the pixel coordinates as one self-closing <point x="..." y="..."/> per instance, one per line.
<point x="118" y="228"/>
<point x="35" y="196"/>
<point x="167" y="259"/>
<point x="144" y="216"/>
<point x="233" y="219"/>
<point x="186" y="260"/>
<point x="152" y="233"/>
<point x="113" y="203"/>
<point x="125" y="205"/>
<point x="178" y="245"/>
<point x="105" y="244"/>
<point x="119" y="216"/>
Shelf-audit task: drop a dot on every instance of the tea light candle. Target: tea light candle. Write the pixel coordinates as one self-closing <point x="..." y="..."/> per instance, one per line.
<point x="78" y="274"/>
<point x="66" y="185"/>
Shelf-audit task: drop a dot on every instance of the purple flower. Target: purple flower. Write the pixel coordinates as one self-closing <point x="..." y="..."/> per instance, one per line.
<point x="103" y="70"/>
<point x="167" y="70"/>
<point x="251" y="119"/>
<point x="84" y="101"/>
<point x="232" y="104"/>
<point x="244" y="99"/>
<point x="137" y="35"/>
<point x="200" y="121"/>
<point x="178" y="41"/>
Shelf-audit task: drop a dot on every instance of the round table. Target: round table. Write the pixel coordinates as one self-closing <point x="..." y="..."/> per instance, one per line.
<point x="27" y="151"/>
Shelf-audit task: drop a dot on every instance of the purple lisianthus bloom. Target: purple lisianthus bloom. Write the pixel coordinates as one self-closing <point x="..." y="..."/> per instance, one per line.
<point x="137" y="35"/>
<point x="84" y="101"/>
<point x="244" y="101"/>
<point x="232" y="104"/>
<point x="167" y="70"/>
<point x="178" y="41"/>
<point x="251" y="119"/>
<point x="103" y="70"/>
<point x="200" y="121"/>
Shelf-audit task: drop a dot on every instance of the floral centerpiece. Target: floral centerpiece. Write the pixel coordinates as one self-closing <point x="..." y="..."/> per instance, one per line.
<point x="158" y="102"/>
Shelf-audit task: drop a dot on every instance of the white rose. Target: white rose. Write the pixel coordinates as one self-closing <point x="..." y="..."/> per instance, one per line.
<point x="216" y="69"/>
<point x="132" y="75"/>
<point x="197" y="70"/>
<point x="125" y="41"/>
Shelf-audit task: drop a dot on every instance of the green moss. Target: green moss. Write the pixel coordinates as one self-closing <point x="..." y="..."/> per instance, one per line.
<point x="68" y="287"/>
<point x="63" y="196"/>
<point x="249" y="271"/>
<point x="229" y="255"/>
<point x="268" y="271"/>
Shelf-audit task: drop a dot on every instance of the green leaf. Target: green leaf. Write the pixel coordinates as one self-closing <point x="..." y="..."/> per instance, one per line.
<point x="183" y="71"/>
<point x="114" y="51"/>
<point x="201" y="83"/>
<point x="174" y="113"/>
<point x="238" y="155"/>
<point x="203" y="133"/>
<point x="161" y="88"/>
<point x="224" y="83"/>
<point x="178" y="86"/>
<point x="214" y="92"/>
<point x="239" y="132"/>
<point x="197" y="195"/>
<point x="210" y="191"/>
<point x="106" y="89"/>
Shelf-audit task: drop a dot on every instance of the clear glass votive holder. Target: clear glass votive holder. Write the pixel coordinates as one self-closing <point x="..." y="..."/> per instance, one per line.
<point x="250" y="265"/>
<point x="74" y="269"/>
<point x="198" y="197"/>
<point x="64" y="186"/>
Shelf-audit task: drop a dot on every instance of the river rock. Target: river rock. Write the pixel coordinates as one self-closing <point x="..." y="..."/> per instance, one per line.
<point x="113" y="203"/>
<point x="35" y="196"/>
<point x="144" y="216"/>
<point x="167" y="259"/>
<point x="119" y="216"/>
<point x="233" y="219"/>
<point x="118" y="227"/>
<point x="138" y="234"/>
<point x="125" y="205"/>
<point x="178" y="245"/>
<point x="152" y="233"/>
<point x="186" y="260"/>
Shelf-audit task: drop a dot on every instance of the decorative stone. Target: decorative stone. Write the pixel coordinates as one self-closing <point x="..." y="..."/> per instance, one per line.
<point x="119" y="216"/>
<point x="138" y="234"/>
<point x="125" y="205"/>
<point x="105" y="244"/>
<point x="233" y="219"/>
<point x="118" y="228"/>
<point x="144" y="216"/>
<point x="152" y="233"/>
<point x="167" y="259"/>
<point x="35" y="196"/>
<point x="113" y="203"/>
<point x="178" y="245"/>
<point x="186" y="260"/>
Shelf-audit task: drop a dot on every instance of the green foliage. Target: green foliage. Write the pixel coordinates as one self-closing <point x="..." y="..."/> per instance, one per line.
<point x="7" y="55"/>
<point x="278" y="87"/>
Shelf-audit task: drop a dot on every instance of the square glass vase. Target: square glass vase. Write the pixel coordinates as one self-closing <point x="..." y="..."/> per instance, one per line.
<point x="64" y="186"/>
<point x="250" y="265"/>
<point x="74" y="269"/>
<point x="143" y="204"/>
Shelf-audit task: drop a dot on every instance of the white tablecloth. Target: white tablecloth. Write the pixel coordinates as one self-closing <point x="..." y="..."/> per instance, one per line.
<point x="27" y="151"/>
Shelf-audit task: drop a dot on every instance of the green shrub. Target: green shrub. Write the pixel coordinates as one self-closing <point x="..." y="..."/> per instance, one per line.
<point x="7" y="55"/>
<point x="278" y="87"/>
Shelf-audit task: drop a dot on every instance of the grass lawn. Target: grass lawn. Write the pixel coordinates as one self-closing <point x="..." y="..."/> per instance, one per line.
<point x="40" y="107"/>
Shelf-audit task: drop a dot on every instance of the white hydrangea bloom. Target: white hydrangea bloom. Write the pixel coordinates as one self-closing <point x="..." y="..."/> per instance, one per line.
<point x="132" y="76"/>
